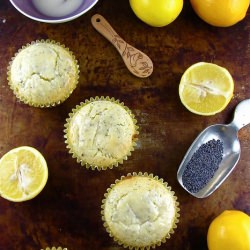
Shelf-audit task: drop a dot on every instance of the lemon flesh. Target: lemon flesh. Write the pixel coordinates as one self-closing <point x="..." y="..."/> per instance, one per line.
<point x="23" y="174"/>
<point x="206" y="88"/>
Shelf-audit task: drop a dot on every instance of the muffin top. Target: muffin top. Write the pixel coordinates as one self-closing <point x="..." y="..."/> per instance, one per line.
<point x="101" y="133"/>
<point x="140" y="211"/>
<point x="43" y="74"/>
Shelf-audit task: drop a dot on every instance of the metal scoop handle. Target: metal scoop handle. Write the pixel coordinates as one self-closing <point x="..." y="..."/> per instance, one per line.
<point x="241" y="115"/>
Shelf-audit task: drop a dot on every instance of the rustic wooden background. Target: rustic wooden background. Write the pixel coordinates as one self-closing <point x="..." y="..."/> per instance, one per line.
<point x="67" y="211"/>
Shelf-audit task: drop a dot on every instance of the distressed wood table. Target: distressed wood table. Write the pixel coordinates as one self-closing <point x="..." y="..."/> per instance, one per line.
<point x="67" y="212"/>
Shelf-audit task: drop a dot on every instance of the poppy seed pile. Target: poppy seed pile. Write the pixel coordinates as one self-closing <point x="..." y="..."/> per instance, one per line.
<point x="202" y="165"/>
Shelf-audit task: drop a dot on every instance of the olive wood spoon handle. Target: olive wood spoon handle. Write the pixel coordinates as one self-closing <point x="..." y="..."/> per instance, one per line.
<point x="136" y="61"/>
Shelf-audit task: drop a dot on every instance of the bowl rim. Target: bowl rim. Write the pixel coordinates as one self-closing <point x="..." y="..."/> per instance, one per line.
<point x="59" y="20"/>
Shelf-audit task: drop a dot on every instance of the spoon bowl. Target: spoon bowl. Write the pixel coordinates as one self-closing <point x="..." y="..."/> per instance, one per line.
<point x="228" y="135"/>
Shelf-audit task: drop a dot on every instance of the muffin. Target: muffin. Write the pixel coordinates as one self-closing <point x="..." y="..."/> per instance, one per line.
<point x="43" y="73"/>
<point x="140" y="211"/>
<point x="101" y="133"/>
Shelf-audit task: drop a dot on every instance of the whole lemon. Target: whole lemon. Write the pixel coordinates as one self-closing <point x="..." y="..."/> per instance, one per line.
<point x="157" y="13"/>
<point x="229" y="231"/>
<point x="221" y="13"/>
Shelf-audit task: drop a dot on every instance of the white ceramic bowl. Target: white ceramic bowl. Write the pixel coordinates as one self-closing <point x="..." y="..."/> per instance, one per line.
<point x="27" y="8"/>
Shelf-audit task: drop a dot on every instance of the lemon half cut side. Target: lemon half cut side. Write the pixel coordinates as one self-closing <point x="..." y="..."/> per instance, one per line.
<point x="206" y="88"/>
<point x="23" y="174"/>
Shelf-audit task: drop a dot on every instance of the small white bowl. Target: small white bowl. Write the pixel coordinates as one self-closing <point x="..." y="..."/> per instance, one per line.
<point x="27" y="8"/>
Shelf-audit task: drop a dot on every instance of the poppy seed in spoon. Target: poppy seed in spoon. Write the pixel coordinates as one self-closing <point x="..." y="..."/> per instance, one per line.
<point x="202" y="165"/>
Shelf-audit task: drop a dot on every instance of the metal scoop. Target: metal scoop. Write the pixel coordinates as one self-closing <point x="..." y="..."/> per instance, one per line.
<point x="226" y="133"/>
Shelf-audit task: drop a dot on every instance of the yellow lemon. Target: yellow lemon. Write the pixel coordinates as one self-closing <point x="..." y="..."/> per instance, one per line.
<point x="221" y="13"/>
<point x="206" y="88"/>
<point x="229" y="231"/>
<point x="157" y="13"/>
<point x="23" y="174"/>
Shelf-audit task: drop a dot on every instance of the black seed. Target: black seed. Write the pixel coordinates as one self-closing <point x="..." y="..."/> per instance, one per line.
<point x="202" y="165"/>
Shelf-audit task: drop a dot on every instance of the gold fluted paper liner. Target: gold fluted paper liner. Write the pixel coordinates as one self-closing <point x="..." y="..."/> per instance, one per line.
<point x="49" y="103"/>
<point x="78" y="157"/>
<point x="153" y="244"/>
<point x="55" y="248"/>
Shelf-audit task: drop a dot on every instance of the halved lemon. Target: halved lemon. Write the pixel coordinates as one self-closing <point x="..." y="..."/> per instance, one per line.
<point x="23" y="174"/>
<point x="206" y="88"/>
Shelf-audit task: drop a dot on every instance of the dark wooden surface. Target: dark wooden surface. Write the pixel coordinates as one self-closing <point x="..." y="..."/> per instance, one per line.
<point x="67" y="211"/>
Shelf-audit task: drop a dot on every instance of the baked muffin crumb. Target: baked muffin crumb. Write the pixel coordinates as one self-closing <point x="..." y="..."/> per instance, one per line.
<point x="101" y="133"/>
<point x="43" y="73"/>
<point x="140" y="211"/>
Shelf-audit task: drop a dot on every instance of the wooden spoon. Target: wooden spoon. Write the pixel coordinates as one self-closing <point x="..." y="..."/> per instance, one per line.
<point x="136" y="61"/>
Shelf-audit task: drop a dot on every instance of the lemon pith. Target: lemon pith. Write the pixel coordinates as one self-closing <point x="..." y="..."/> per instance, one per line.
<point x="206" y="88"/>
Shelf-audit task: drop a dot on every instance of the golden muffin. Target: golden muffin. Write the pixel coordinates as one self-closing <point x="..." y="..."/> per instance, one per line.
<point x="140" y="211"/>
<point x="43" y="73"/>
<point x="101" y="133"/>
